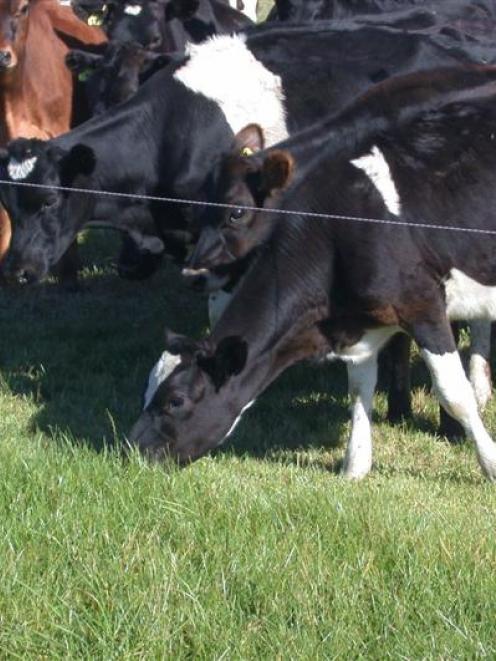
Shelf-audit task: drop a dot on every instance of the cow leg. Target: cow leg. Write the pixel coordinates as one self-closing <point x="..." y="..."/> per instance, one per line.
<point x="448" y="426"/>
<point x="362" y="379"/>
<point x="68" y="266"/>
<point x="479" y="366"/>
<point x="399" y="392"/>
<point x="453" y="389"/>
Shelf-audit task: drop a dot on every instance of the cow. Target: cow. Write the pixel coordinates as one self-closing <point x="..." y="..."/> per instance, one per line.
<point x="415" y="155"/>
<point x="167" y="25"/>
<point x="162" y="140"/>
<point x="474" y="15"/>
<point x="36" y="89"/>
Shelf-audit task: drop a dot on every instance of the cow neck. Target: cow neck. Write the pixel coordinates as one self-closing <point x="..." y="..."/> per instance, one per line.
<point x="278" y="305"/>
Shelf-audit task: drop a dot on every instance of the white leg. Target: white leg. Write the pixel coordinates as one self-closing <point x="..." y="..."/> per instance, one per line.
<point x="361" y="385"/>
<point x="456" y="395"/>
<point x="217" y="303"/>
<point x="479" y="368"/>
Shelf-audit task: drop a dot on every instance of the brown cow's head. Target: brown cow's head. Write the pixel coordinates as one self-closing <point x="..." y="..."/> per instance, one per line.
<point x="14" y="18"/>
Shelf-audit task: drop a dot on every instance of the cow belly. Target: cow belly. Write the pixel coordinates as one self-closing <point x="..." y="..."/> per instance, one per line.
<point x="468" y="299"/>
<point x="370" y="343"/>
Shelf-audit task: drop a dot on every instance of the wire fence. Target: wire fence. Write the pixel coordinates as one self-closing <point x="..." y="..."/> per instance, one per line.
<point x="221" y="205"/>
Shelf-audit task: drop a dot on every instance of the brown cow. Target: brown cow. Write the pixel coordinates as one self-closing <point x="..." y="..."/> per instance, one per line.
<point x="36" y="88"/>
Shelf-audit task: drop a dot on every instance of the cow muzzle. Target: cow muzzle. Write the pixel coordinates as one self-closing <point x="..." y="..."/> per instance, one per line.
<point x="8" y="59"/>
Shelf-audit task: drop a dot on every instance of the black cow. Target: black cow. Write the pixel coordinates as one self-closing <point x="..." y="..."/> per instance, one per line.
<point x="474" y="15"/>
<point x="167" y="25"/>
<point x="417" y="150"/>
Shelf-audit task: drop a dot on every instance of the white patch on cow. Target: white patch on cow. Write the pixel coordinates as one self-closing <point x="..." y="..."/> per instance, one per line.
<point x="19" y="170"/>
<point x="456" y="395"/>
<point x="361" y="385"/>
<point x="133" y="10"/>
<point x="165" y="365"/>
<point x="468" y="299"/>
<point x="377" y="170"/>
<point x="217" y="303"/>
<point x="235" y="423"/>
<point x="370" y="343"/>
<point x="243" y="88"/>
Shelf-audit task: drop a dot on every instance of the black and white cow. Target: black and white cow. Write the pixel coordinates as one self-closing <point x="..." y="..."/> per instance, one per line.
<point x="417" y="150"/>
<point x="163" y="140"/>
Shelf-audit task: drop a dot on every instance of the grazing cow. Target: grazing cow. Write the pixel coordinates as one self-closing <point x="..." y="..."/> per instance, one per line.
<point x="36" y="89"/>
<point x="418" y="152"/>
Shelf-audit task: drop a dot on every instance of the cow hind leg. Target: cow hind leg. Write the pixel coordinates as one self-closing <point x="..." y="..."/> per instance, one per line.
<point x="362" y="379"/>
<point x="479" y="366"/>
<point x="399" y="391"/>
<point x="438" y="349"/>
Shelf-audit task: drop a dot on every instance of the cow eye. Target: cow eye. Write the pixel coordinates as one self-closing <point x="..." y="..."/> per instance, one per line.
<point x="176" y="402"/>
<point x="23" y="10"/>
<point x="237" y="215"/>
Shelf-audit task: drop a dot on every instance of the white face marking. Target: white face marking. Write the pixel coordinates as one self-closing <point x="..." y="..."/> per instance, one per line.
<point x="235" y="423"/>
<point x="19" y="170"/>
<point x="371" y="342"/>
<point x="377" y="170"/>
<point x="457" y="397"/>
<point x="133" y="10"/>
<point x="165" y="365"/>
<point x="244" y="89"/>
<point x="467" y="298"/>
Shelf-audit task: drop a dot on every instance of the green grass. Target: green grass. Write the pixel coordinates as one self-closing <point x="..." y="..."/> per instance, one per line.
<point x="259" y="551"/>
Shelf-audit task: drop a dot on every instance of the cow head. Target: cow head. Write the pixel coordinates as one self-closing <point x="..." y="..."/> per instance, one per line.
<point x="45" y="221"/>
<point x="114" y="76"/>
<point x="136" y="20"/>
<point x="193" y="409"/>
<point x="14" y="24"/>
<point x="245" y="178"/>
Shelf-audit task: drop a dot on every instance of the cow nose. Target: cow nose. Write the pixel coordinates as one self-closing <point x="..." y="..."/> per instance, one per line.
<point x="5" y="58"/>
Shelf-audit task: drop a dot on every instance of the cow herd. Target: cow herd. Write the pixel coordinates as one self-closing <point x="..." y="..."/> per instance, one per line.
<point x="335" y="169"/>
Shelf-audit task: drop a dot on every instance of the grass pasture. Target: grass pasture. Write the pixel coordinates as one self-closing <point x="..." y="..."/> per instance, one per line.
<point x="258" y="551"/>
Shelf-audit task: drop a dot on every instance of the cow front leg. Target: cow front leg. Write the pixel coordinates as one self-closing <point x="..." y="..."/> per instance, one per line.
<point x="438" y="349"/>
<point x="362" y="379"/>
<point x="68" y="266"/>
<point x="479" y="366"/>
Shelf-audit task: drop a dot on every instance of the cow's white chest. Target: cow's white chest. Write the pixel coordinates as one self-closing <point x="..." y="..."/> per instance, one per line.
<point x="370" y="343"/>
<point x="468" y="299"/>
<point x="225" y="70"/>
<point x="377" y="170"/>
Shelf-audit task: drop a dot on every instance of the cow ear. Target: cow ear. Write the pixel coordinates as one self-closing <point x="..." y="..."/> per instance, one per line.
<point x="277" y="170"/>
<point x="249" y="140"/>
<point x="177" y="344"/>
<point x="78" y="60"/>
<point x="79" y="160"/>
<point x="228" y="360"/>
<point x="181" y="9"/>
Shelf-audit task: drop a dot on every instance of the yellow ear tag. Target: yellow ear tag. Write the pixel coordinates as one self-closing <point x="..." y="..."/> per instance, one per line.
<point x="95" y="20"/>
<point x="247" y="151"/>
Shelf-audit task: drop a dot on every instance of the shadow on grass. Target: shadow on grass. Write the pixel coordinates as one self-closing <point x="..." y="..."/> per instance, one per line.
<point x="84" y="359"/>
